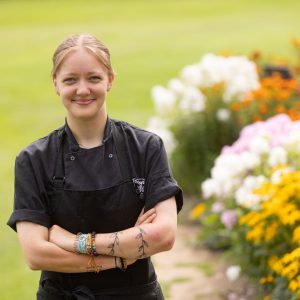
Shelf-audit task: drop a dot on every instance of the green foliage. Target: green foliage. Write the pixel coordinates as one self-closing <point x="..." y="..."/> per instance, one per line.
<point x="201" y="137"/>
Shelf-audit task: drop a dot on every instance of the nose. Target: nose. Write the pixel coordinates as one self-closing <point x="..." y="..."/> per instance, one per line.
<point x="82" y="88"/>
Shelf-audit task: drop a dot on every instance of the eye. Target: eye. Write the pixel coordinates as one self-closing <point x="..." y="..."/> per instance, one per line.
<point x="69" y="80"/>
<point x="95" y="78"/>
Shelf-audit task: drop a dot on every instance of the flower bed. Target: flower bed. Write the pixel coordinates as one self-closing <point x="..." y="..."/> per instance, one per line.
<point x="232" y="129"/>
<point x="253" y="204"/>
<point x="210" y="102"/>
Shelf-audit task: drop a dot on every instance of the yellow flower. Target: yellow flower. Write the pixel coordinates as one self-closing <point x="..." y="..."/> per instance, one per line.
<point x="197" y="211"/>
<point x="291" y="270"/>
<point x="268" y="279"/>
<point x="296" y="235"/>
<point x="293" y="285"/>
<point x="270" y="231"/>
<point x="256" y="234"/>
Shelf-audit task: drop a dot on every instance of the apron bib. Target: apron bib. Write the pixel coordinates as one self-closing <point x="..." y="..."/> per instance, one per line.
<point x="103" y="211"/>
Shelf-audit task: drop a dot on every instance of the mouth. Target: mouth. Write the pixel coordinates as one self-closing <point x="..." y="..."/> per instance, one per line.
<point x="84" y="101"/>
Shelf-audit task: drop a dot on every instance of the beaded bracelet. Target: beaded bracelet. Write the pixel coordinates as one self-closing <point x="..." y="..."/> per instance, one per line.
<point x="123" y="262"/>
<point x="82" y="243"/>
<point x="94" y="250"/>
<point x="88" y="249"/>
<point x="85" y="244"/>
<point x="75" y="246"/>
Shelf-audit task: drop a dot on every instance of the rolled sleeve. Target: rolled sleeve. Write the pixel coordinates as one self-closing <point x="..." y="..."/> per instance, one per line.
<point x="29" y="203"/>
<point x="30" y="216"/>
<point x="161" y="188"/>
<point x="160" y="184"/>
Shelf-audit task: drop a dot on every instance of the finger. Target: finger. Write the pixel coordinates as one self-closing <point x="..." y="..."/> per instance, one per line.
<point x="149" y="212"/>
<point x="146" y="215"/>
<point x="143" y="217"/>
<point x="142" y="212"/>
<point x="150" y="219"/>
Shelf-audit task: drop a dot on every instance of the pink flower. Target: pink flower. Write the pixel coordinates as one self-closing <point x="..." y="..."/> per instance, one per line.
<point x="217" y="207"/>
<point x="229" y="218"/>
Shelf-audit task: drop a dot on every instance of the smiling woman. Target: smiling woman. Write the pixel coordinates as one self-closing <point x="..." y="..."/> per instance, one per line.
<point x="97" y="187"/>
<point x="82" y="83"/>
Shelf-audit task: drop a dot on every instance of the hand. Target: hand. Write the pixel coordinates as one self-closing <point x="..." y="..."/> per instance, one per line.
<point x="146" y="218"/>
<point x="62" y="238"/>
<point x="131" y="261"/>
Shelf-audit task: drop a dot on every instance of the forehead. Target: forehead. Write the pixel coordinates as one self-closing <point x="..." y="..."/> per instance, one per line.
<point x="80" y="61"/>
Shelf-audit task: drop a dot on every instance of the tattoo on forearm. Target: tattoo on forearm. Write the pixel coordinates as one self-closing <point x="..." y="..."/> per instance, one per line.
<point x="141" y="249"/>
<point x="115" y="243"/>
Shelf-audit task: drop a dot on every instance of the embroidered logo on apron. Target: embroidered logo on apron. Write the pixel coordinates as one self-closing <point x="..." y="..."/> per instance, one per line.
<point x="139" y="186"/>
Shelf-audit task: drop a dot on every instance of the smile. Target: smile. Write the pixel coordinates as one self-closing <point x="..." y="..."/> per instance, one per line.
<point x="83" y="101"/>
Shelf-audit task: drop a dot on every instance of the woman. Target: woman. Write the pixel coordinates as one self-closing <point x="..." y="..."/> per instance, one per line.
<point x="95" y="198"/>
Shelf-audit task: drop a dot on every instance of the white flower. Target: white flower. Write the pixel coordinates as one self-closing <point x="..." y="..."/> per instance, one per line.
<point x="278" y="155"/>
<point x="192" y="75"/>
<point x="160" y="127"/>
<point x="212" y="69"/>
<point x="192" y="100"/>
<point x="210" y="188"/>
<point x="276" y="176"/>
<point x="292" y="140"/>
<point x="164" y="99"/>
<point x="233" y="272"/>
<point x="220" y="174"/>
<point x="240" y="76"/>
<point x="244" y="194"/>
<point x="223" y="114"/>
<point x="176" y="85"/>
<point x="249" y="160"/>
<point x="260" y="145"/>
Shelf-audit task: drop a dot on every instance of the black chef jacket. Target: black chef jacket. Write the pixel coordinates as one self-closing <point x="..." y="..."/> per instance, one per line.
<point x="95" y="169"/>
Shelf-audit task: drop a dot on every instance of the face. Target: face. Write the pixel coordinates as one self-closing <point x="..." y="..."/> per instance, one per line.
<point x="82" y="83"/>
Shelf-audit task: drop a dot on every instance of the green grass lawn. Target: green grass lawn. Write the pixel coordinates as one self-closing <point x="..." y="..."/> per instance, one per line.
<point x="150" y="42"/>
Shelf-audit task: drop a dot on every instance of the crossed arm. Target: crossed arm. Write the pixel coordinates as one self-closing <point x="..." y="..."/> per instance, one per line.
<point x="52" y="250"/>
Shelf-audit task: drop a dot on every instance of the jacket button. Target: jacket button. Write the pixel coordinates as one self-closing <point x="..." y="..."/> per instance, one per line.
<point x="72" y="157"/>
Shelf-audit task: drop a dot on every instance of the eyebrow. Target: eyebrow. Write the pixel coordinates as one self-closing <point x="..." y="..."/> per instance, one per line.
<point x="89" y="73"/>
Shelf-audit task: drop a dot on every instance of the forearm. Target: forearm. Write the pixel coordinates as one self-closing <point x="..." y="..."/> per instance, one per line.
<point x="136" y="242"/>
<point x="49" y="257"/>
<point x="144" y="239"/>
<point x="40" y="254"/>
<point x="154" y="232"/>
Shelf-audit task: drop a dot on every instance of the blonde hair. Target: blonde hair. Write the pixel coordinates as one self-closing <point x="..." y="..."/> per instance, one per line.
<point x="81" y="40"/>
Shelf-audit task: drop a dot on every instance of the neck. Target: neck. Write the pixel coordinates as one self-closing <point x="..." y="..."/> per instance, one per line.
<point x="88" y="133"/>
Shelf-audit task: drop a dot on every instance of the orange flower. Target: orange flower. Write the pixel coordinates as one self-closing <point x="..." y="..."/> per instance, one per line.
<point x="256" y="118"/>
<point x="263" y="109"/>
<point x="283" y="95"/>
<point x="236" y="106"/>
<point x="255" y="55"/>
<point x="295" y="42"/>
<point x="279" y="109"/>
<point x="294" y="114"/>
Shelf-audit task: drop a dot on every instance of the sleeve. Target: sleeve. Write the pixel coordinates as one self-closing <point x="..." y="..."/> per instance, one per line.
<point x="29" y="204"/>
<point x="160" y="184"/>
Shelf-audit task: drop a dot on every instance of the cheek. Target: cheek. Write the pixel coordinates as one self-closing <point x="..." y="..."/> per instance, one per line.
<point x="66" y="92"/>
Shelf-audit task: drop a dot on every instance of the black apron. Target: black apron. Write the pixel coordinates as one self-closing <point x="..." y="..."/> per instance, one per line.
<point x="103" y="211"/>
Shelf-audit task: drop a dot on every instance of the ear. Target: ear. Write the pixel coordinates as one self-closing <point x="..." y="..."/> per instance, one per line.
<point x="55" y="85"/>
<point x="111" y="78"/>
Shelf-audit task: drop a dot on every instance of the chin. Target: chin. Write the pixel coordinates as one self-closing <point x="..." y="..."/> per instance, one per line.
<point x="86" y="115"/>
